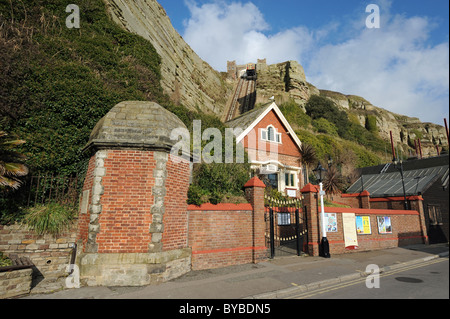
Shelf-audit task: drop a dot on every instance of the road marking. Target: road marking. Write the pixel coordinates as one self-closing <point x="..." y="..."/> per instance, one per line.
<point x="363" y="279"/>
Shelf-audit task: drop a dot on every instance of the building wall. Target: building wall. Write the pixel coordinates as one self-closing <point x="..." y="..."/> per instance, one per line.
<point x="176" y="215"/>
<point x="437" y="195"/>
<point x="286" y="152"/>
<point x="125" y="218"/>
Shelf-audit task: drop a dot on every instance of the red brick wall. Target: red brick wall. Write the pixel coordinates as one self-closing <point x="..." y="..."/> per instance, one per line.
<point x="287" y="147"/>
<point x="126" y="202"/>
<point x="176" y="217"/>
<point x="288" y="152"/>
<point x="220" y="235"/>
<point x="406" y="230"/>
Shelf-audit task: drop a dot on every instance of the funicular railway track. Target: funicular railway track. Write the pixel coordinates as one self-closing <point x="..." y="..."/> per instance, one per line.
<point x="243" y="99"/>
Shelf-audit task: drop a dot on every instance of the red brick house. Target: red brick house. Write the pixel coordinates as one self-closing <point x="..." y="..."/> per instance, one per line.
<point x="273" y="147"/>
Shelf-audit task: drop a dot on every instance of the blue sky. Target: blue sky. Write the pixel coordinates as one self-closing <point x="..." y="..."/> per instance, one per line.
<point x="403" y="66"/>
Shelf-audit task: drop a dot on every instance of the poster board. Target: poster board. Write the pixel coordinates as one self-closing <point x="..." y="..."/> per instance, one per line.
<point x="331" y="222"/>
<point x="363" y="225"/>
<point x="349" y="228"/>
<point x="384" y="225"/>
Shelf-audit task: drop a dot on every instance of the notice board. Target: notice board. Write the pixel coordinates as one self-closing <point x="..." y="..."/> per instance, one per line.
<point x="349" y="228"/>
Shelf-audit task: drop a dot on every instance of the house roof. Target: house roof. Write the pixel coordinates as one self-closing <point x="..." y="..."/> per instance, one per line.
<point x="418" y="176"/>
<point x="250" y="119"/>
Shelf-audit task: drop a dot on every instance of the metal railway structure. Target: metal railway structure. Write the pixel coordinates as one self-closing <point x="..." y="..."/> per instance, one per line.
<point x="243" y="100"/>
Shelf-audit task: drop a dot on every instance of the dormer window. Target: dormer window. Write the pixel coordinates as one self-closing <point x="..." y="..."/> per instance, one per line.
<point x="270" y="134"/>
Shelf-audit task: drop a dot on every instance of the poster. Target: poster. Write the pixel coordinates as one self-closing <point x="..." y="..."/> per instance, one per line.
<point x="349" y="228"/>
<point x="331" y="222"/>
<point x="363" y="225"/>
<point x="384" y="225"/>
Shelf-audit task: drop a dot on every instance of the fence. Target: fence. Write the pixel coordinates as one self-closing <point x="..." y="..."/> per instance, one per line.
<point x="49" y="188"/>
<point x="42" y="189"/>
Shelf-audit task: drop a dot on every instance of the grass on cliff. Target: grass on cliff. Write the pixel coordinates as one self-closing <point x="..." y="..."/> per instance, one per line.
<point x="332" y="132"/>
<point x="58" y="82"/>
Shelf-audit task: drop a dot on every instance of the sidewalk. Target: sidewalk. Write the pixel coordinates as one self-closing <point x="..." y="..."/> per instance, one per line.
<point x="272" y="279"/>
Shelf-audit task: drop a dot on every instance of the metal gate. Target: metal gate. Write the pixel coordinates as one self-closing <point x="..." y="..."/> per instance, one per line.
<point x="286" y="227"/>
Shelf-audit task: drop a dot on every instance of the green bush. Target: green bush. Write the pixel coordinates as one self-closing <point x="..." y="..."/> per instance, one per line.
<point x="51" y="218"/>
<point x="59" y="82"/>
<point x="324" y="126"/>
<point x="4" y="261"/>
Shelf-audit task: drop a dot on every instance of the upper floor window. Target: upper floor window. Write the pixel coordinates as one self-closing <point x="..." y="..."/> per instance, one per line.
<point x="270" y="134"/>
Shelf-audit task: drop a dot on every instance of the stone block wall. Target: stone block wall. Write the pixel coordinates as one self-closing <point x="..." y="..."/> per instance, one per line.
<point x="15" y="283"/>
<point x="50" y="255"/>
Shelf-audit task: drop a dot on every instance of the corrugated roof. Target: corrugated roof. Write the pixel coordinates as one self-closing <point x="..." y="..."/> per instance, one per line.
<point x="390" y="183"/>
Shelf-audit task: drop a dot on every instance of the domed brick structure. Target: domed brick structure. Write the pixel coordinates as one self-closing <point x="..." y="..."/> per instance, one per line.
<point x="132" y="227"/>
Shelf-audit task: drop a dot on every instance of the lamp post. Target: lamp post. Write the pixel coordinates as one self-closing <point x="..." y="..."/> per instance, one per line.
<point x="324" y="244"/>
<point x="400" y="168"/>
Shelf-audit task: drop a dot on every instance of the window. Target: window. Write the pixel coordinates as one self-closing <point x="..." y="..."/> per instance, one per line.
<point x="270" y="134"/>
<point x="434" y="214"/>
<point x="289" y="179"/>
<point x="273" y="180"/>
<point x="284" y="219"/>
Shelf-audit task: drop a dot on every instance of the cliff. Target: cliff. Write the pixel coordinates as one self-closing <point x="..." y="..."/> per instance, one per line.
<point x="287" y="81"/>
<point x="185" y="78"/>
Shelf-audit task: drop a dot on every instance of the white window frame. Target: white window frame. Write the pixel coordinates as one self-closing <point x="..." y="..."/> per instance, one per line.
<point x="276" y="135"/>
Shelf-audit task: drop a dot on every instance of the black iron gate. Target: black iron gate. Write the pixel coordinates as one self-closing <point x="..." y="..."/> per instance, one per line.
<point x="286" y="227"/>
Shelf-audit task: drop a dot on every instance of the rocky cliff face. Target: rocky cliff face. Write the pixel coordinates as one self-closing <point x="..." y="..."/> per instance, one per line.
<point x="404" y="129"/>
<point x="186" y="78"/>
<point x="189" y="80"/>
<point x="286" y="81"/>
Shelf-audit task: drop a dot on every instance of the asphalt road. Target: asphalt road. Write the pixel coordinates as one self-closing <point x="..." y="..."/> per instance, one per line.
<point x="427" y="280"/>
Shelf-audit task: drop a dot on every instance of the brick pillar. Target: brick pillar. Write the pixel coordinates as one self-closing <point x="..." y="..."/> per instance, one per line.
<point x="133" y="220"/>
<point x="364" y="198"/>
<point x="417" y="205"/>
<point x="309" y="193"/>
<point x="254" y="192"/>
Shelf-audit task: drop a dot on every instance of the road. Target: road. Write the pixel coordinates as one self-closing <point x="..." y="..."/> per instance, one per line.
<point x="426" y="280"/>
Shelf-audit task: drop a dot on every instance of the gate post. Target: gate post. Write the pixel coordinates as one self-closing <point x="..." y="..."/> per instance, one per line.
<point x="310" y="201"/>
<point x="254" y="192"/>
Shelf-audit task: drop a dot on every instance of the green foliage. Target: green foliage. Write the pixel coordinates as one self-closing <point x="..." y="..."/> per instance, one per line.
<point x="51" y="218"/>
<point x="11" y="162"/>
<point x="59" y="82"/>
<point x="295" y="115"/>
<point x="371" y="124"/>
<point x="322" y="108"/>
<point x="4" y="260"/>
<point x="324" y="126"/>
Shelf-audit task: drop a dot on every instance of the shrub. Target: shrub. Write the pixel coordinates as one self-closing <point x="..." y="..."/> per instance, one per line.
<point x="51" y="218"/>
<point x="4" y="260"/>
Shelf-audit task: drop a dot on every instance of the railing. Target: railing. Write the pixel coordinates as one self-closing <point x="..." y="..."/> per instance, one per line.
<point x="41" y="189"/>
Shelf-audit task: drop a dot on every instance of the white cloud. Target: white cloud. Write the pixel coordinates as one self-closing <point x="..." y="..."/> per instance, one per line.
<point x="220" y="31"/>
<point x="394" y="67"/>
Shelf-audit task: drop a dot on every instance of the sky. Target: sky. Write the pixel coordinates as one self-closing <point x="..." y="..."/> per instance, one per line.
<point x="402" y="65"/>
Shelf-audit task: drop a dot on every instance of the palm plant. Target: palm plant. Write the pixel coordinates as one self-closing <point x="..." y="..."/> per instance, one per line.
<point x="308" y="157"/>
<point x="333" y="182"/>
<point x="11" y="166"/>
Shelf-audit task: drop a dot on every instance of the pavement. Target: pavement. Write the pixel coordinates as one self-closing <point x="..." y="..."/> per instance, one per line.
<point x="274" y="279"/>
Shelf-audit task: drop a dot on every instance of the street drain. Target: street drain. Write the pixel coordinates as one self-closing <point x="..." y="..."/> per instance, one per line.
<point x="409" y="280"/>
